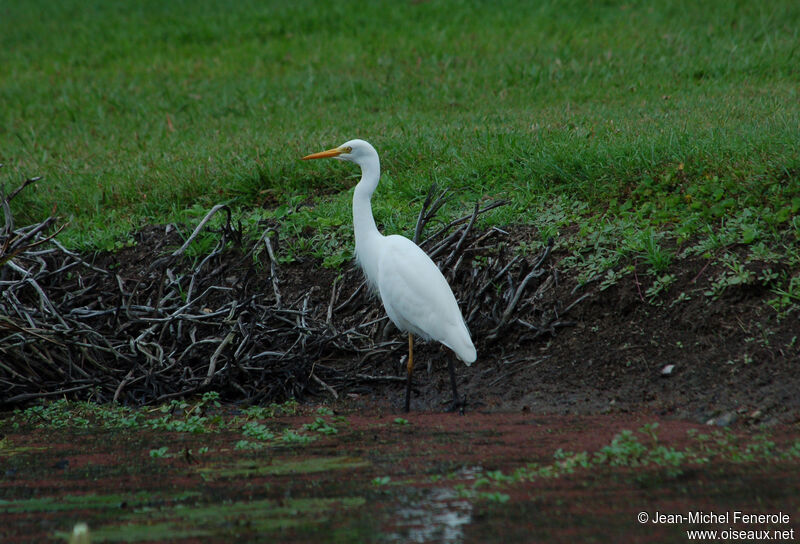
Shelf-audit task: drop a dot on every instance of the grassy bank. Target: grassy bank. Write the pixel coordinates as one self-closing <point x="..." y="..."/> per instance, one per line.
<point x="679" y="120"/>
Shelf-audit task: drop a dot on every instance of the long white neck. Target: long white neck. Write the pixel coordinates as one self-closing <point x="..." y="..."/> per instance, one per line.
<point x="366" y="232"/>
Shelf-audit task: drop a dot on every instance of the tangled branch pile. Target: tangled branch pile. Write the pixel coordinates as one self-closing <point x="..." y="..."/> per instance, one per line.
<point x="237" y="320"/>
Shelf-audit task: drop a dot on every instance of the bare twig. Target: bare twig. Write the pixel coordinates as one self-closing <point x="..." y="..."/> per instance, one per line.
<point x="19" y="189"/>
<point x="181" y="250"/>
<point x="429" y="209"/>
<point x="324" y="385"/>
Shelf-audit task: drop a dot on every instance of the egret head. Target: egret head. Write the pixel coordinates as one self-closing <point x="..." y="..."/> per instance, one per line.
<point x="357" y="151"/>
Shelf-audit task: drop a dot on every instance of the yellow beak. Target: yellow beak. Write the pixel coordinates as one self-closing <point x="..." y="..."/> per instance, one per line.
<point x="324" y="154"/>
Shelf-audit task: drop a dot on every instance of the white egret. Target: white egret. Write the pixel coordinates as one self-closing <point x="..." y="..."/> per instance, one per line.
<point x="414" y="292"/>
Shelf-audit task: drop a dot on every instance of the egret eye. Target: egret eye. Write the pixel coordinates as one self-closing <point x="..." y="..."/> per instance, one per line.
<point x="348" y="149"/>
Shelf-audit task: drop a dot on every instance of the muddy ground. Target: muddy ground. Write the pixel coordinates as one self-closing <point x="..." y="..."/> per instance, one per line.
<point x="733" y="358"/>
<point x="687" y="355"/>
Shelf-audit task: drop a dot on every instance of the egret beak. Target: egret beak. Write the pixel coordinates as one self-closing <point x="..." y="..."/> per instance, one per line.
<point x="335" y="152"/>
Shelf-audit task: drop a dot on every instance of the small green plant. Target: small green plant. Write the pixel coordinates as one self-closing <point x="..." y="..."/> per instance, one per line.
<point x="736" y="274"/>
<point x="321" y="426"/>
<point x="613" y="276"/>
<point x="184" y="415"/>
<point x="660" y="285"/>
<point x="195" y="424"/>
<point x="568" y="462"/>
<point x="292" y="437"/>
<point x="787" y="298"/>
<point x="248" y="445"/>
<point x="498" y="476"/>
<point x="657" y="257"/>
<point x="159" y="453"/>
<point x="495" y="496"/>
<point x="288" y="408"/>
<point x="682" y="297"/>
<point x="401" y="421"/>
<point x="381" y="481"/>
<point x="210" y="399"/>
<point x="473" y="493"/>
<point x="624" y="450"/>
<point x="257" y="431"/>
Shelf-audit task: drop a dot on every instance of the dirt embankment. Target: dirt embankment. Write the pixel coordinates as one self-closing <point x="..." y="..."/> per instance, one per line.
<point x="298" y="329"/>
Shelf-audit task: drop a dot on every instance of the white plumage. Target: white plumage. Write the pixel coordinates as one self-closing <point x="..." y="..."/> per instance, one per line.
<point x="418" y="299"/>
<point x="415" y="294"/>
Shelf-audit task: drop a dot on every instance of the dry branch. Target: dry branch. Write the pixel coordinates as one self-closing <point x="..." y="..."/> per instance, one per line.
<point x="146" y="332"/>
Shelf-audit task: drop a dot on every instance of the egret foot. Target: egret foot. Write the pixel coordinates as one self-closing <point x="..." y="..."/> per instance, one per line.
<point x="458" y="402"/>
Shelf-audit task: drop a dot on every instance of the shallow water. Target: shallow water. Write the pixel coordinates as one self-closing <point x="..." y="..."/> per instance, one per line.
<point x="437" y="478"/>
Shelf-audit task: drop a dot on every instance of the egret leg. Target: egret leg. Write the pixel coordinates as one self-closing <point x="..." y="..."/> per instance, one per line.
<point x="458" y="402"/>
<point x="410" y="369"/>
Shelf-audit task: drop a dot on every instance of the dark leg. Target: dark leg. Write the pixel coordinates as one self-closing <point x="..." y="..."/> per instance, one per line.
<point x="458" y="402"/>
<point x="410" y="369"/>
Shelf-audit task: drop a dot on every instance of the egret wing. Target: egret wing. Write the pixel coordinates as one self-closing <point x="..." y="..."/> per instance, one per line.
<point x="417" y="297"/>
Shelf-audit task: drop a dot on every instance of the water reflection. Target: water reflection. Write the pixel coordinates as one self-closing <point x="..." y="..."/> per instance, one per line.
<point x="437" y="514"/>
<point x="431" y="515"/>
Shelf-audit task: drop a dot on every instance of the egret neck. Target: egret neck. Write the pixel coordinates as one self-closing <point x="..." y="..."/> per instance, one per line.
<point x="366" y="233"/>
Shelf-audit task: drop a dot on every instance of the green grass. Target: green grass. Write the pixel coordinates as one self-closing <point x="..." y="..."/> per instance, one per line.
<point x="673" y="119"/>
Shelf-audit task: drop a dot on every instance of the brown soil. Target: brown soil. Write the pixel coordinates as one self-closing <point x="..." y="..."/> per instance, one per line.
<point x="732" y="357"/>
